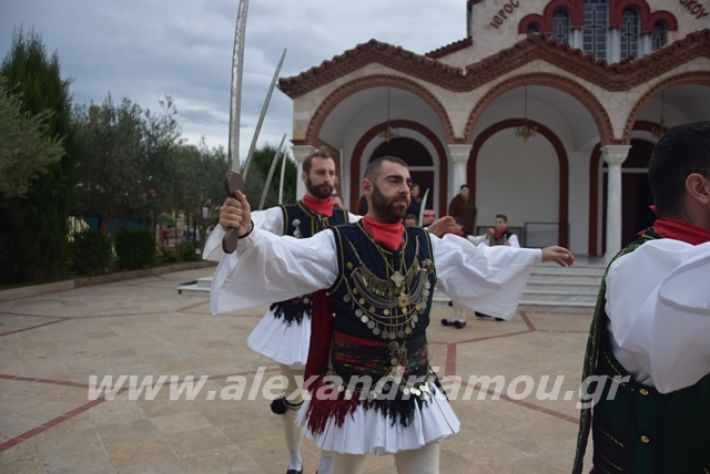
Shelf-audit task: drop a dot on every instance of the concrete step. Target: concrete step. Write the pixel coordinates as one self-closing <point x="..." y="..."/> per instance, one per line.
<point x="581" y="280"/>
<point x="199" y="287"/>
<point x="558" y="298"/>
<point x="556" y="304"/>
<point x="559" y="271"/>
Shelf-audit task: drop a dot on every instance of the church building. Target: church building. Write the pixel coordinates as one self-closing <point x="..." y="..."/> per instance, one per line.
<point x="547" y="109"/>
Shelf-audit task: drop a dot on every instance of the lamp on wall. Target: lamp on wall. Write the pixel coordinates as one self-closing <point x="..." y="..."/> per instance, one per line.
<point x="388" y="133"/>
<point x="661" y="129"/>
<point x="526" y="130"/>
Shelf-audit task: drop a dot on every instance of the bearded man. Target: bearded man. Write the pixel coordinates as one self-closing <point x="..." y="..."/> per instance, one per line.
<point x="373" y="283"/>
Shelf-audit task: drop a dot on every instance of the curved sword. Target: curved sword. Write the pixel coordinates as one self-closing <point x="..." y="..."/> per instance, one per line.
<point x="234" y="182"/>
<point x="264" y="108"/>
<point x="270" y="176"/>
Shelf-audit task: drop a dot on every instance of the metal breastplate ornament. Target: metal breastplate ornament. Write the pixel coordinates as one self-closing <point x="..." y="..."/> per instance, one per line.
<point x="390" y="307"/>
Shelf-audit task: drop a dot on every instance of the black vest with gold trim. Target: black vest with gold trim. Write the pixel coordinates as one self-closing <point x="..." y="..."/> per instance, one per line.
<point x="300" y="222"/>
<point x="641" y="430"/>
<point x="380" y="305"/>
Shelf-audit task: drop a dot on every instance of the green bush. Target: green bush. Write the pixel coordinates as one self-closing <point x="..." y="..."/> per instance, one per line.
<point x="135" y="248"/>
<point x="91" y="252"/>
<point x="187" y="252"/>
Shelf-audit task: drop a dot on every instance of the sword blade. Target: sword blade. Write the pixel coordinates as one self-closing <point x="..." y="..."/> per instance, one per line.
<point x="270" y="176"/>
<point x="264" y="108"/>
<point x="236" y="85"/>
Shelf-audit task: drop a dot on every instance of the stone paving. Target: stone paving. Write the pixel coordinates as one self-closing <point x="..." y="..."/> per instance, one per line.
<point x="50" y="346"/>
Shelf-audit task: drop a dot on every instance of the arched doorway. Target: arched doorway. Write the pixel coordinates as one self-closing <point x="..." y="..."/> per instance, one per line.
<point x="513" y="177"/>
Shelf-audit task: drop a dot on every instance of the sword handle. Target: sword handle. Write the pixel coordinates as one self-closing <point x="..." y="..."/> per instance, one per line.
<point x="233" y="182"/>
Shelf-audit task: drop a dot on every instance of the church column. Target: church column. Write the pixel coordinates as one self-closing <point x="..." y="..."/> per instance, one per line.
<point x="459" y="155"/>
<point x="614" y="47"/>
<point x="614" y="155"/>
<point x="300" y="152"/>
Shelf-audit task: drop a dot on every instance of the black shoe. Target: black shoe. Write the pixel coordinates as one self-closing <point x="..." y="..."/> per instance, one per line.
<point x="446" y="322"/>
<point x="499" y="319"/>
<point x="278" y="406"/>
<point x="459" y="324"/>
<point x="293" y="471"/>
<point x="451" y="304"/>
<point x="482" y="315"/>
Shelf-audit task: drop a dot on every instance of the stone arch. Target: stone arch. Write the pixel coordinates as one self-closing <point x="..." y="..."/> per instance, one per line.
<point x="667" y="17"/>
<point x="563" y="162"/>
<point x="367" y="137"/>
<point x="599" y="114"/>
<point x="701" y="78"/>
<point x="616" y="11"/>
<point x="380" y="80"/>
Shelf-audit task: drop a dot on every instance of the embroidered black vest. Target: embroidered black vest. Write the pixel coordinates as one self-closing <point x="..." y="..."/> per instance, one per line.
<point x="380" y="305"/>
<point x="641" y="430"/>
<point x="300" y="222"/>
<point x="492" y="241"/>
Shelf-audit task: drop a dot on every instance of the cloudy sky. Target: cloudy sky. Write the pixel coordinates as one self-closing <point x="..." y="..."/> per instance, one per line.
<point x="146" y="49"/>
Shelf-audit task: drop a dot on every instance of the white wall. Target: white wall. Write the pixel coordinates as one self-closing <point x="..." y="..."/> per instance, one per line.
<point x="517" y="179"/>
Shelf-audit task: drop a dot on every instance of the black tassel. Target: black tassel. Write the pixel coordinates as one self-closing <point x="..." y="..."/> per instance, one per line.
<point x="293" y="311"/>
<point x="278" y="406"/>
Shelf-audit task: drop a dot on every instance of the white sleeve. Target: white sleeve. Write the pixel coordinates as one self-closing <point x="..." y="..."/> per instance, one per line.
<point x="353" y="218"/>
<point x="659" y="313"/>
<point x="477" y="239"/>
<point x="513" y="241"/>
<point x="486" y="279"/>
<point x="271" y="220"/>
<point x="267" y="268"/>
<point x="680" y="338"/>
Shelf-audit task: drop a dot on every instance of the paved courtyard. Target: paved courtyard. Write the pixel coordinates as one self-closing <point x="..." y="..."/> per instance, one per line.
<point x="50" y="346"/>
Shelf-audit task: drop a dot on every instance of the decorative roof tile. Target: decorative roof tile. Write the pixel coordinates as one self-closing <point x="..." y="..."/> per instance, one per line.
<point x="615" y="77"/>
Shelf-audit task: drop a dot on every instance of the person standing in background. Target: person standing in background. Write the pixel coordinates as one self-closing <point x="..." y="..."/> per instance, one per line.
<point x="463" y="210"/>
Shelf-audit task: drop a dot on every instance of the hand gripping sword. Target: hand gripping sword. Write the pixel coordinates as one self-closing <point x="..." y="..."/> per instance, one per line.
<point x="233" y="181"/>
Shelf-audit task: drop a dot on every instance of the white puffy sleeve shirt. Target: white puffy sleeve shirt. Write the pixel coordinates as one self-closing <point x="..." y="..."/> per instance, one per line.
<point x="658" y="303"/>
<point x="268" y="268"/>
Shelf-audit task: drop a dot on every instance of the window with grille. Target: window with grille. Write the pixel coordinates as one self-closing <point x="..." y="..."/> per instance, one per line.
<point x="596" y="24"/>
<point x="560" y="26"/>
<point x="630" y="33"/>
<point x="659" y="37"/>
<point x="533" y="29"/>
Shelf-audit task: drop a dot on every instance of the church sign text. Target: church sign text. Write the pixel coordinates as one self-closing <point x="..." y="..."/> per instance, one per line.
<point x="504" y="13"/>
<point x="695" y="8"/>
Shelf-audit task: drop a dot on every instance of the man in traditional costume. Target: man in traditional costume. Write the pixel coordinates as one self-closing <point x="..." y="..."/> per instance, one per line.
<point x="652" y="326"/>
<point x="498" y="235"/>
<point x="283" y="333"/>
<point x="373" y="284"/>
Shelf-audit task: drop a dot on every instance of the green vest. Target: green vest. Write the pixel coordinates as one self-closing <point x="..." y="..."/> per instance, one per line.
<point x="641" y="430"/>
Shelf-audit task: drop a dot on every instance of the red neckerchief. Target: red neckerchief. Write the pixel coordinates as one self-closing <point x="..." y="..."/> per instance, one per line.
<point x="499" y="235"/>
<point x="678" y="230"/>
<point x="323" y="207"/>
<point x="387" y="235"/>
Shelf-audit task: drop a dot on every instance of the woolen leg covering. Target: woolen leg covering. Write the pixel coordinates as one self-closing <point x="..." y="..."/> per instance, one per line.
<point x="349" y="463"/>
<point x="326" y="463"/>
<point x="424" y="460"/>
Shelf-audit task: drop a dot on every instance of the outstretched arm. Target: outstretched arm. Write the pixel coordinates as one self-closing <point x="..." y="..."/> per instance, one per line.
<point x="267" y="268"/>
<point x="488" y="279"/>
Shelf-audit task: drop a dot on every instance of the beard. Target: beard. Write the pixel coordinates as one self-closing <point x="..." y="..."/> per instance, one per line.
<point x="390" y="209"/>
<point x="323" y="191"/>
